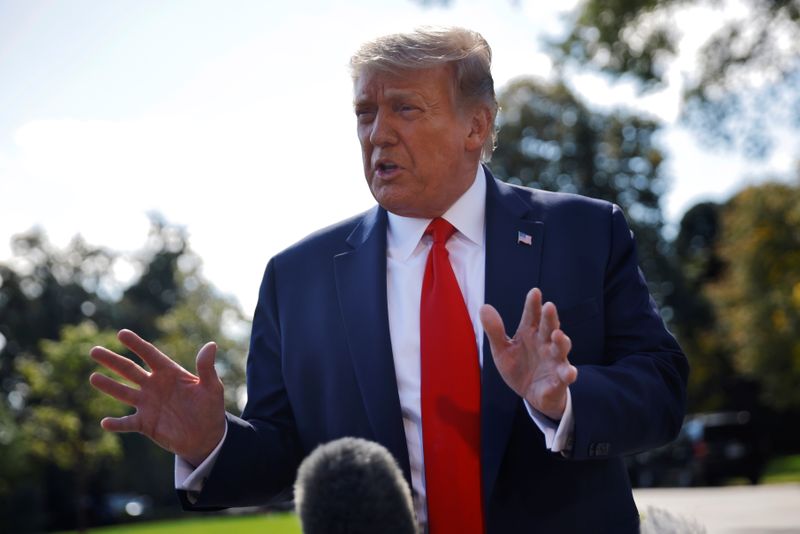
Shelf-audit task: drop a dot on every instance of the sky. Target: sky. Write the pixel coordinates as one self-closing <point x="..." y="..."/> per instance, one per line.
<point x="234" y="119"/>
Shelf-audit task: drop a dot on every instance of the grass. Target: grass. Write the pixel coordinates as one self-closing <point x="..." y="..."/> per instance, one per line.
<point x="261" y="524"/>
<point x="782" y="469"/>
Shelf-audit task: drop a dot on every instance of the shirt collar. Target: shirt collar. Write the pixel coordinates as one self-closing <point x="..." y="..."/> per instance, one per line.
<point x="467" y="214"/>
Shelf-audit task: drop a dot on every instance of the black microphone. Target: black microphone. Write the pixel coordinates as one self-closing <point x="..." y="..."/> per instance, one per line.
<point x="353" y="486"/>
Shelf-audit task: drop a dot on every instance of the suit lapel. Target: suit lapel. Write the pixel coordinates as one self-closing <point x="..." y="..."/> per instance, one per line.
<point x="512" y="269"/>
<point x="361" y="287"/>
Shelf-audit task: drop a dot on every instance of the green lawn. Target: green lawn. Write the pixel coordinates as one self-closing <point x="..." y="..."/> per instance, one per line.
<point x="782" y="469"/>
<point x="260" y="524"/>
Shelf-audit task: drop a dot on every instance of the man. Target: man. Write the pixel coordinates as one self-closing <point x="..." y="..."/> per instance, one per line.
<point x="375" y="326"/>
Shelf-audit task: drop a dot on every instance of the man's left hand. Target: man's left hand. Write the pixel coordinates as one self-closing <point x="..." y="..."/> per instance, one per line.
<point x="534" y="362"/>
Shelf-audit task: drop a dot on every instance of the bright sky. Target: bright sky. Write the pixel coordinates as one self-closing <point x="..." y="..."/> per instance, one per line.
<point x="234" y="119"/>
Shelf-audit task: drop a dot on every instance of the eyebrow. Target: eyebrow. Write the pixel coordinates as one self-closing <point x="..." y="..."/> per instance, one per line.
<point x="390" y="94"/>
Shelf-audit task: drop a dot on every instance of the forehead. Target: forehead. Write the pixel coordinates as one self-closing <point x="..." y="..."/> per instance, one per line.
<point x="430" y="83"/>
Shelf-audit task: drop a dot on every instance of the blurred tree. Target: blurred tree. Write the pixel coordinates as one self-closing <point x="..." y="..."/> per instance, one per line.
<point x="59" y="422"/>
<point x="201" y="316"/>
<point x="11" y="463"/>
<point x="695" y="245"/>
<point x="17" y="494"/>
<point x="695" y="322"/>
<point x="757" y="300"/>
<point x="157" y="289"/>
<point x="549" y="140"/>
<point x="44" y="289"/>
<point x="748" y="69"/>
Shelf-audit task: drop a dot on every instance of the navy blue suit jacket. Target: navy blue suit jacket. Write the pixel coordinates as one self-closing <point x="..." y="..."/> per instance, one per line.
<point x="320" y="365"/>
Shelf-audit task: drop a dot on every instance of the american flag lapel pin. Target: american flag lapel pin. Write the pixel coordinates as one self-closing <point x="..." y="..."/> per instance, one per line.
<point x="524" y="239"/>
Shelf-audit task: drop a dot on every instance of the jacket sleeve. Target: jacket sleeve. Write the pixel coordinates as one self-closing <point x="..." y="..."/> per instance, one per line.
<point x="636" y="398"/>
<point x="259" y="458"/>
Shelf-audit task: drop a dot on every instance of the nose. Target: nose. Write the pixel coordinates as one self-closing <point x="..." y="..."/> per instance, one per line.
<point x="382" y="132"/>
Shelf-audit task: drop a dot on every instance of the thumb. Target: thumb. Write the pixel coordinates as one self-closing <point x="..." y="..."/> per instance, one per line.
<point x="205" y="363"/>
<point x="493" y="326"/>
<point x="568" y="373"/>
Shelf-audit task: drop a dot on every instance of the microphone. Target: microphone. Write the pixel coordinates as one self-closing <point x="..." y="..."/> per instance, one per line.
<point x="353" y="486"/>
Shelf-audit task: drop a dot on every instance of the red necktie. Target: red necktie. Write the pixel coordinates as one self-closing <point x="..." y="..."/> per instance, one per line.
<point x="451" y="396"/>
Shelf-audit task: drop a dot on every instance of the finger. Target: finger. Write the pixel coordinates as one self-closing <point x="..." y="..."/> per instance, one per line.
<point x="568" y="373"/>
<point x="153" y="357"/>
<point x="127" y="423"/>
<point x="562" y="343"/>
<point x="532" y="310"/>
<point x="493" y="327"/>
<point x="111" y="387"/>
<point x="549" y="322"/>
<point x="205" y="363"/>
<point x="119" y="364"/>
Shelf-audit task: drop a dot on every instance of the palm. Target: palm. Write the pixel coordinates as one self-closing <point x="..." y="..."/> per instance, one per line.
<point x="534" y="362"/>
<point x="525" y="370"/>
<point x="181" y="412"/>
<point x="173" y="404"/>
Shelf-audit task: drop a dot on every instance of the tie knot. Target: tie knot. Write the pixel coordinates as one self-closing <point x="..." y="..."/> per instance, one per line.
<point x="440" y="229"/>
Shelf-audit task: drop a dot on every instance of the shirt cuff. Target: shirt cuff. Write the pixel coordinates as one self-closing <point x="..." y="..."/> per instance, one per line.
<point x="558" y="435"/>
<point x="191" y="478"/>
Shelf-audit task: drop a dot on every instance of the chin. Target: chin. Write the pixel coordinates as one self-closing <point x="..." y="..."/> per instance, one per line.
<point x="400" y="208"/>
<point x="396" y="208"/>
<point x="403" y="202"/>
<point x="405" y="210"/>
<point x="391" y="200"/>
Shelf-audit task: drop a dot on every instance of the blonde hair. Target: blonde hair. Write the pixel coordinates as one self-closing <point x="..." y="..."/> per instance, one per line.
<point x="465" y="50"/>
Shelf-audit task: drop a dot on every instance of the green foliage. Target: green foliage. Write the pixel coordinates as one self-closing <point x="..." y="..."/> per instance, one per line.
<point x="757" y="300"/>
<point x="44" y="288"/>
<point x="60" y="422"/>
<point x="622" y="37"/>
<point x="695" y="250"/>
<point x="12" y="452"/>
<point x="202" y="315"/>
<point x="738" y="309"/>
<point x="549" y="140"/>
<point x="54" y="306"/>
<point x="159" y="287"/>
<point x="749" y="68"/>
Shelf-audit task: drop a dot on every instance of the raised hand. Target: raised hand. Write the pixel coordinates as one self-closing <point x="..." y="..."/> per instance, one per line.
<point x="181" y="412"/>
<point x="534" y="362"/>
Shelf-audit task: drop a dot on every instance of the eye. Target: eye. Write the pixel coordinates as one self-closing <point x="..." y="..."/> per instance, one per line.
<point x="407" y="111"/>
<point x="364" y="115"/>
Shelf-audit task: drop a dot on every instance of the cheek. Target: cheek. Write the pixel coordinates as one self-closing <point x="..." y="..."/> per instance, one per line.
<point x="363" y="133"/>
<point x="438" y="162"/>
<point x="366" y="152"/>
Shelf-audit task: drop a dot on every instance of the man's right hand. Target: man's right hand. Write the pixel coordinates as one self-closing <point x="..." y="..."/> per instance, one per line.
<point x="181" y="412"/>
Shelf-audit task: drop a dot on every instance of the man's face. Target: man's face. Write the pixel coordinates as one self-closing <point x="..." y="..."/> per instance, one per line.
<point x="414" y="141"/>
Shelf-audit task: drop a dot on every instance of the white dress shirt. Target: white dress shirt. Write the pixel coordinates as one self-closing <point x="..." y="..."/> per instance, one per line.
<point x="406" y="254"/>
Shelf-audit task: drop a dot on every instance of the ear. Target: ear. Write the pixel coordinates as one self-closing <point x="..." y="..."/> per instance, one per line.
<point x="480" y="127"/>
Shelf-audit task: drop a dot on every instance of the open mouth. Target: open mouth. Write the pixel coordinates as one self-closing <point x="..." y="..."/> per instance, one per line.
<point x="386" y="167"/>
